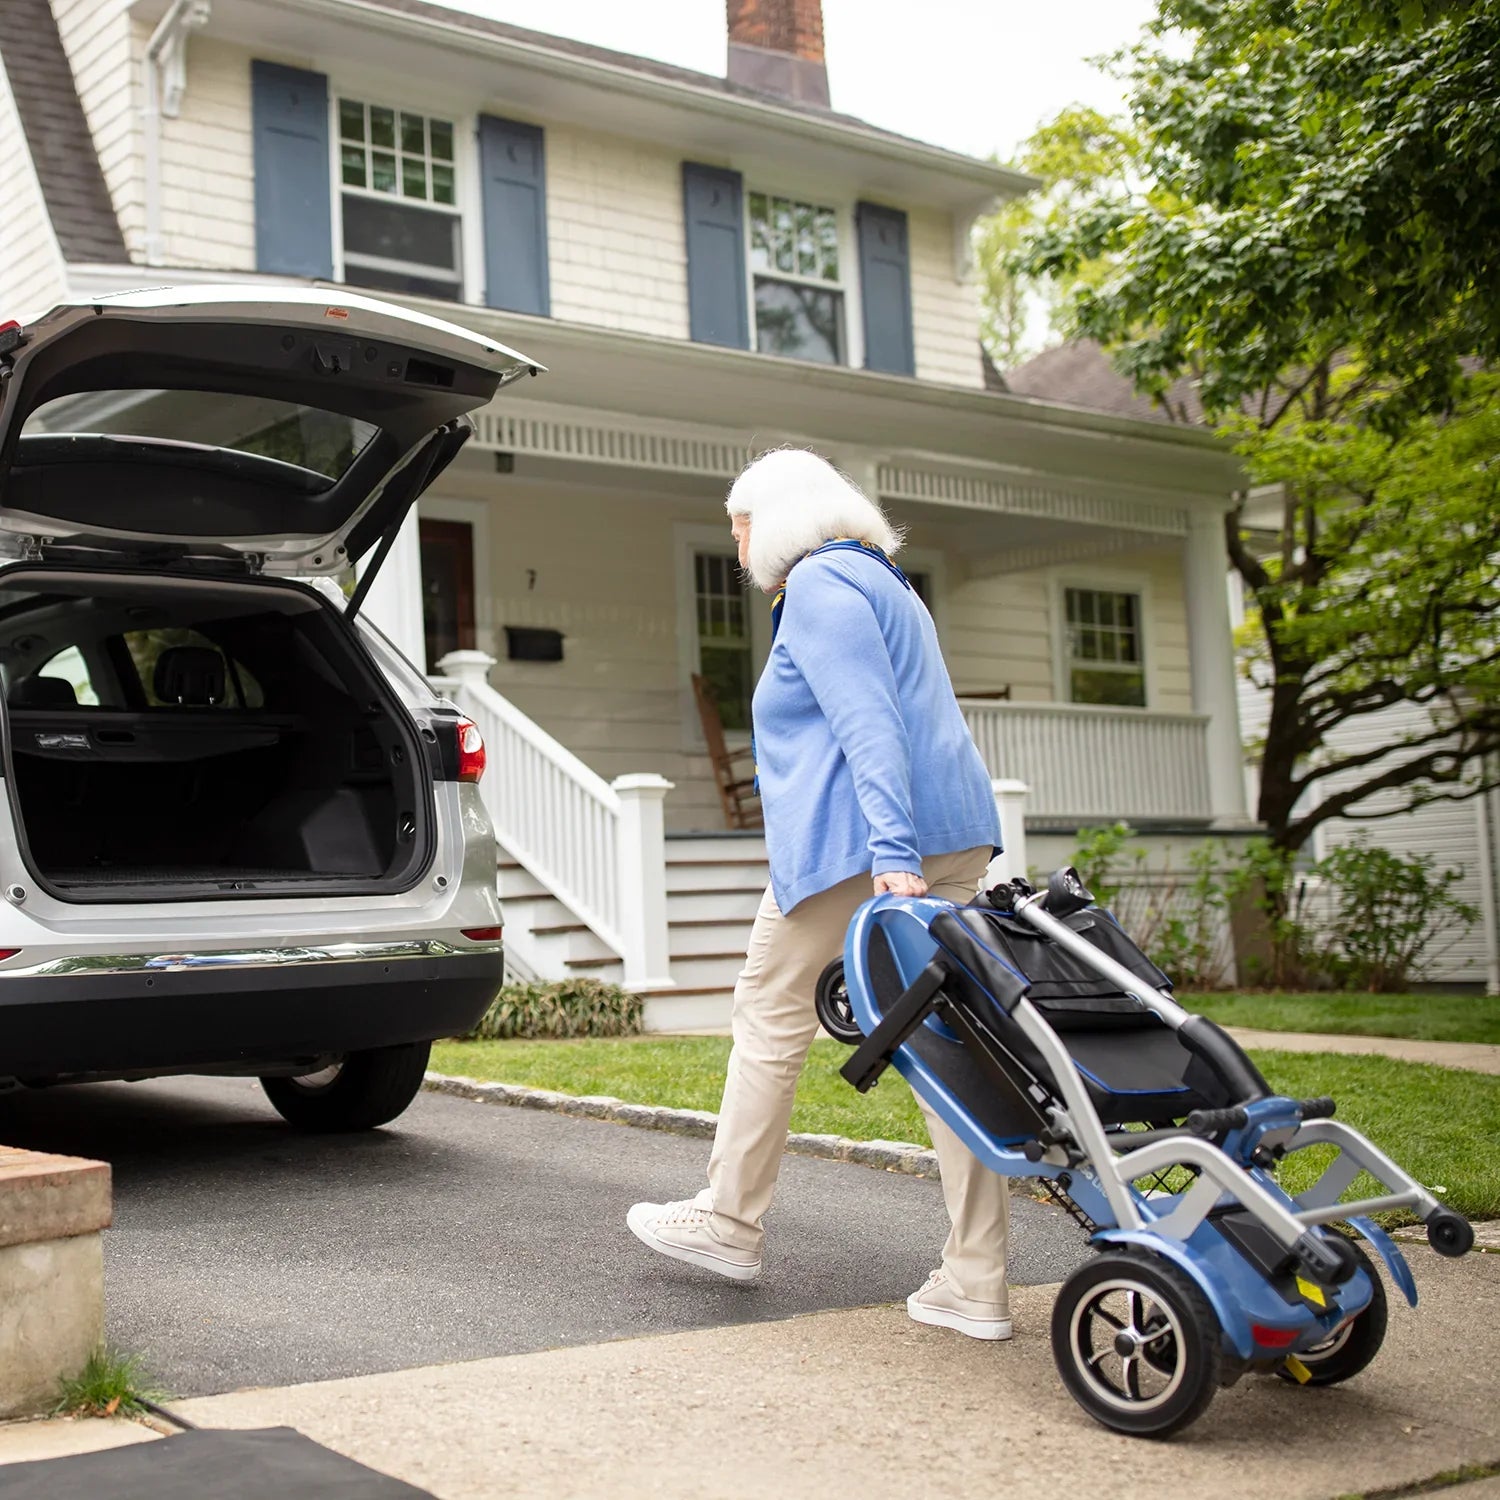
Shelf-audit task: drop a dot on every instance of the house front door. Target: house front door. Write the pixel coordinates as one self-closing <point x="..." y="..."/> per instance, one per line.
<point x="447" y="588"/>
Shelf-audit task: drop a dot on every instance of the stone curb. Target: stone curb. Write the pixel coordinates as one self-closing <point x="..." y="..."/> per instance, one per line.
<point x="889" y="1156"/>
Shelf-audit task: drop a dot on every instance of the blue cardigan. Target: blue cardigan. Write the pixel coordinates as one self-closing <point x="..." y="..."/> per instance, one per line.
<point x="865" y="761"/>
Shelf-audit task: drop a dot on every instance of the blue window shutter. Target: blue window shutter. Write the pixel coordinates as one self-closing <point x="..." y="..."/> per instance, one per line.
<point x="293" y="205"/>
<point x="885" y="287"/>
<point x="513" y="169"/>
<point x="713" y="208"/>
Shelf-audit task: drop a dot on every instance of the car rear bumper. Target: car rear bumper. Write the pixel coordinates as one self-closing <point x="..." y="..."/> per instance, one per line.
<point x="222" y="1012"/>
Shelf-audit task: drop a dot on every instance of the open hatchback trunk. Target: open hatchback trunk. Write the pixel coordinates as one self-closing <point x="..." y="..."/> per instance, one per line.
<point x="182" y="720"/>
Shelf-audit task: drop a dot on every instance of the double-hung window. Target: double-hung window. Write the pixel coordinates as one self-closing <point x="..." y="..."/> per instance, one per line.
<point x="724" y="647"/>
<point x="398" y="194"/>
<point x="1105" y="659"/>
<point x="797" y="269"/>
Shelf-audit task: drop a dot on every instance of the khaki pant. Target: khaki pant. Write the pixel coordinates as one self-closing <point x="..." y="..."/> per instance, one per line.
<point x="775" y="1023"/>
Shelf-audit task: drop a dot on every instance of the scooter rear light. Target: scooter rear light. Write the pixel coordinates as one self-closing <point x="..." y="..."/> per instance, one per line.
<point x="483" y="934"/>
<point x="471" y="756"/>
<point x="1272" y="1338"/>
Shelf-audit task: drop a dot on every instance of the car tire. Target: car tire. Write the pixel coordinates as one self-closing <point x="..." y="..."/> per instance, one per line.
<point x="361" y="1091"/>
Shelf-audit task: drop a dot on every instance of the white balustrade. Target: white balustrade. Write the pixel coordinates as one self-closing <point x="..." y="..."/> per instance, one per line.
<point x="1083" y="762"/>
<point x="599" y="848"/>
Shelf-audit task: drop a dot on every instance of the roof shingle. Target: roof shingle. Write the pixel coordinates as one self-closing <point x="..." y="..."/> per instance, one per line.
<point x="1080" y="374"/>
<point x="57" y="134"/>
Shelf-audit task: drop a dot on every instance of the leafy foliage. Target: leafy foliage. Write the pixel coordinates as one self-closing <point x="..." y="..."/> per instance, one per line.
<point x="1301" y="221"/>
<point x="1388" y="911"/>
<point x="565" y="1009"/>
<point x="1362" y="917"/>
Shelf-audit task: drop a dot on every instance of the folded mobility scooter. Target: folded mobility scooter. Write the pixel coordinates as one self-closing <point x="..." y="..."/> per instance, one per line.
<point x="1049" y="1042"/>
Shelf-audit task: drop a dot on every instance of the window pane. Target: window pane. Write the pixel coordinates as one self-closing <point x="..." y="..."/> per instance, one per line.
<point x="413" y="177"/>
<point x="351" y="120"/>
<point x="807" y="242"/>
<point x="442" y="183"/>
<point x="1088" y="645"/>
<point x="442" y="139"/>
<point x="413" y="135"/>
<point x="70" y="667"/>
<point x="447" y="288"/>
<point x="786" y="230"/>
<point x="354" y="166"/>
<point x="383" y="126"/>
<point x="397" y="231"/>
<point x="801" y="321"/>
<point x="760" y="234"/>
<point x="1122" y="689"/>
<point x="1106" y="606"/>
<point x="726" y="669"/>
<point x="1125" y="605"/>
<point x="828" y="239"/>
<point x="383" y="172"/>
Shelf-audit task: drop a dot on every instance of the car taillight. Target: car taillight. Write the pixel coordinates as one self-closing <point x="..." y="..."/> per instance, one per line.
<point x="483" y="934"/>
<point x="471" y="757"/>
<point x="8" y="953"/>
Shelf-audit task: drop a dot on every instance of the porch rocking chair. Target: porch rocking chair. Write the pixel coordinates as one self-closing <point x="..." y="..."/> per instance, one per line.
<point x="736" y="790"/>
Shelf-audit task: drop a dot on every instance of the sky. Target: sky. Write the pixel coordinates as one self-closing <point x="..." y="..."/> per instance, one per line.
<point x="976" y="76"/>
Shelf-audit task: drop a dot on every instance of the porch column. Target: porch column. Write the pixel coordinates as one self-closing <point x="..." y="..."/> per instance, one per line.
<point x="1212" y="663"/>
<point x="1010" y="863"/>
<point x="643" y="880"/>
<point x="394" y="604"/>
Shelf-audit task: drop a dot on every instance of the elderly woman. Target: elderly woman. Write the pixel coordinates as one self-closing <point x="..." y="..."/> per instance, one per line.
<point x="870" y="782"/>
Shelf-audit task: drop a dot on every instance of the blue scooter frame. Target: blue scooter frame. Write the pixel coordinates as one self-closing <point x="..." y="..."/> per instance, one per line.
<point x="1230" y="1154"/>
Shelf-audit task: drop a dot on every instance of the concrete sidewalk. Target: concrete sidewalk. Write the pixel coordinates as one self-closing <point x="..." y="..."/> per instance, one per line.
<point x="866" y="1402"/>
<point x="1477" y="1057"/>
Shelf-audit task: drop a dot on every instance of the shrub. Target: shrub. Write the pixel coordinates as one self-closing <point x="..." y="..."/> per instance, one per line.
<point x="562" y="1010"/>
<point x="1386" y="912"/>
<point x="1179" y="918"/>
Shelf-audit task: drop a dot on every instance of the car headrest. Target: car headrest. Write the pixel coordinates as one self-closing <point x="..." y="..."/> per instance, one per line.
<point x="43" y="692"/>
<point x="192" y="676"/>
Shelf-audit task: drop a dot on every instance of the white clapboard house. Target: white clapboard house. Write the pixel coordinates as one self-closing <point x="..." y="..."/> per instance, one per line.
<point x="708" y="266"/>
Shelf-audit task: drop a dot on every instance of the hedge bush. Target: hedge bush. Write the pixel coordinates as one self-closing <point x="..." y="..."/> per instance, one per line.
<point x="562" y="1010"/>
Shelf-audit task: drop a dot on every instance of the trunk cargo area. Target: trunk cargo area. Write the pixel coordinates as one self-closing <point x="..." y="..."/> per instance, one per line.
<point x="190" y="738"/>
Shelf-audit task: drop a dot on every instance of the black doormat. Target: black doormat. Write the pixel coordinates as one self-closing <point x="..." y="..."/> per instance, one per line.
<point x="274" y="1463"/>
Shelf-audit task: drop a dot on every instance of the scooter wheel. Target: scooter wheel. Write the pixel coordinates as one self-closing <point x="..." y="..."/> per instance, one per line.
<point x="1354" y="1345"/>
<point x="831" y="1000"/>
<point x="1136" y="1343"/>
<point x="1450" y="1234"/>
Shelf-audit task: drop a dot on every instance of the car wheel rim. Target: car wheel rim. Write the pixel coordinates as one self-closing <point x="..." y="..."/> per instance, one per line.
<point x="324" y="1078"/>
<point x="1128" y="1346"/>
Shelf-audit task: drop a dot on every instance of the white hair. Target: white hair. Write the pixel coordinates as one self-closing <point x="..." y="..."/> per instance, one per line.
<point x="797" y="501"/>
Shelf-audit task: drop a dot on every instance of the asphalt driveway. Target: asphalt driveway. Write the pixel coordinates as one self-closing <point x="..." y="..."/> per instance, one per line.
<point x="244" y="1254"/>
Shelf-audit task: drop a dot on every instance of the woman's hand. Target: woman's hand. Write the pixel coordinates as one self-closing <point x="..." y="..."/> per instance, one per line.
<point x="900" y="883"/>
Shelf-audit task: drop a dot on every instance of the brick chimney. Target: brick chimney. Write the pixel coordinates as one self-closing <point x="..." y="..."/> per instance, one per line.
<point x="776" y="47"/>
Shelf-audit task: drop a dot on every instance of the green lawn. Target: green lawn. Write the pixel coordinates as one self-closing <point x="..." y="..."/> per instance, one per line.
<point x="1428" y="1018"/>
<point x="1439" y="1123"/>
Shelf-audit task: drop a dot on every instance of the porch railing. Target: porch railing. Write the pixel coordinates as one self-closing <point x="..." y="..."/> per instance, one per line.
<point x="597" y="846"/>
<point x="1084" y="762"/>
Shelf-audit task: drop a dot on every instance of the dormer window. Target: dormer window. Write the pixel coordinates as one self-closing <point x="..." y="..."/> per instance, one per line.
<point x="399" y="200"/>
<point x="796" y="271"/>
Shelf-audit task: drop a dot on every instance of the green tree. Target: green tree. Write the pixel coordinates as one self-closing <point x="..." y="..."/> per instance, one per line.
<point x="1307" y="231"/>
<point x="1080" y="156"/>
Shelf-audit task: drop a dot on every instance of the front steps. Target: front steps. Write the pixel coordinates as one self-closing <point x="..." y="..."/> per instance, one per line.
<point x="714" y="887"/>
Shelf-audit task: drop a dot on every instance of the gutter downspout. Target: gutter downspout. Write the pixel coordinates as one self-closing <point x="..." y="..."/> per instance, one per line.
<point x="166" y="80"/>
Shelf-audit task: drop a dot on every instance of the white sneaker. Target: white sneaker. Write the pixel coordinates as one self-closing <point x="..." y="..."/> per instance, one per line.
<point x="681" y="1230"/>
<point x="940" y="1305"/>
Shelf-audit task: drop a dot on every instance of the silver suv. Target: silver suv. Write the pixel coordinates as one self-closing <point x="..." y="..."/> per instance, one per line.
<point x="239" y="833"/>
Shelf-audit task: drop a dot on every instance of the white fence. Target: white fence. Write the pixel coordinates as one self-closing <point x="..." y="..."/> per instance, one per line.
<point x="1097" y="764"/>
<point x="598" y="846"/>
